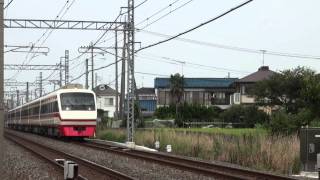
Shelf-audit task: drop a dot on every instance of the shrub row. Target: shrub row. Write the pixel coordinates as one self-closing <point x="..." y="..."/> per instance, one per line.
<point x="247" y="116"/>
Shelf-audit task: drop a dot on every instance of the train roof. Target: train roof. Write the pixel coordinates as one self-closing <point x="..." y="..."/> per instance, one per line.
<point x="57" y="92"/>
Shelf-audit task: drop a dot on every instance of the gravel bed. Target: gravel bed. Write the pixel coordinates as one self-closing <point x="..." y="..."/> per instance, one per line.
<point x="133" y="167"/>
<point x="19" y="163"/>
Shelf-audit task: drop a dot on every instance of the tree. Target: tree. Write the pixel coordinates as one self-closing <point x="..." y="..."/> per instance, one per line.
<point x="311" y="93"/>
<point x="284" y="89"/>
<point x="297" y="92"/>
<point x="176" y="90"/>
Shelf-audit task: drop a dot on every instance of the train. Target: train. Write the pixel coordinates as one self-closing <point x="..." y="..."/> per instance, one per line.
<point x="67" y="112"/>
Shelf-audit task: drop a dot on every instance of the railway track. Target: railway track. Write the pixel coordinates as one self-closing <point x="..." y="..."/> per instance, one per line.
<point x="187" y="164"/>
<point x="87" y="169"/>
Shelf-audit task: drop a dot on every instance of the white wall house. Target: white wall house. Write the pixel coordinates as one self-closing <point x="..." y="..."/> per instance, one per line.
<point x="106" y="99"/>
<point x="244" y="85"/>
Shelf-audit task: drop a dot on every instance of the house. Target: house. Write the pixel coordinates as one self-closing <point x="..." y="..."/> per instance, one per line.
<point x="106" y="99"/>
<point x="202" y="91"/>
<point x="243" y="85"/>
<point x="147" y="100"/>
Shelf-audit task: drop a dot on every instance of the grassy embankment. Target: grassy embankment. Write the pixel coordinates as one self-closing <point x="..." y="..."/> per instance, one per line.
<point x="252" y="148"/>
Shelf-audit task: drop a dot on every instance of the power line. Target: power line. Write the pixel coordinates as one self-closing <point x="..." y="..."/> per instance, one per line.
<point x="234" y="48"/>
<point x="179" y="61"/>
<point x="196" y="27"/>
<point x="151" y="74"/>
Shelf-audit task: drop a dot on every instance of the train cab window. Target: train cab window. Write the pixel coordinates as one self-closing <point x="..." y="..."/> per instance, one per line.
<point x="77" y="102"/>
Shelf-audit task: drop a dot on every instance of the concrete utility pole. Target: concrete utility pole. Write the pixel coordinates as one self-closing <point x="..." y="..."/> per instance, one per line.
<point x="66" y="58"/>
<point x="96" y="80"/>
<point x="116" y="74"/>
<point x="1" y="84"/>
<point x="92" y="68"/>
<point x="12" y="102"/>
<point x="18" y="98"/>
<point x="60" y="65"/>
<point x="40" y="84"/>
<point x="27" y="93"/>
<point x="87" y="73"/>
<point x="123" y="77"/>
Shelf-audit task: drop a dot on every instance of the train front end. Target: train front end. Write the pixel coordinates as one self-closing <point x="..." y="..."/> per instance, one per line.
<point x="78" y="113"/>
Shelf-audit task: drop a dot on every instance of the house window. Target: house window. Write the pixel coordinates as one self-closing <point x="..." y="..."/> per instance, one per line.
<point x="243" y="89"/>
<point x="218" y="98"/>
<point x="236" y="97"/>
<point x="108" y="101"/>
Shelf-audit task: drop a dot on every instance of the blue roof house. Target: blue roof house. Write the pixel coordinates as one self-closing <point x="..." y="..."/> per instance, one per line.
<point x="202" y="91"/>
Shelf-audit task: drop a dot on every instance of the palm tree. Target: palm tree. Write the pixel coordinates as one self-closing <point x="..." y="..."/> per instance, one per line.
<point x="176" y="90"/>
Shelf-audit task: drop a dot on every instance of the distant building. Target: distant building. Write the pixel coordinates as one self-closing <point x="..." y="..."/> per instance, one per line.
<point x="106" y="99"/>
<point x="202" y="91"/>
<point x="147" y="100"/>
<point x="244" y="85"/>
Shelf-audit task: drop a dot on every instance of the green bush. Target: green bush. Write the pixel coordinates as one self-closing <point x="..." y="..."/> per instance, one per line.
<point x="280" y="123"/>
<point x="283" y="123"/>
<point x="189" y="113"/>
<point x="247" y="116"/>
<point x="165" y="112"/>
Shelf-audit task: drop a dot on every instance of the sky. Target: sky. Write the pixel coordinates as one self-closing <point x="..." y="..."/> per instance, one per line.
<point x="289" y="26"/>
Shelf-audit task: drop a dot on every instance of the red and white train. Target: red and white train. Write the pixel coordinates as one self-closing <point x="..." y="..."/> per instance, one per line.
<point x="65" y="112"/>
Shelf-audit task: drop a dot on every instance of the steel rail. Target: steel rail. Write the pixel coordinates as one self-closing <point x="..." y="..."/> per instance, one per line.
<point x="198" y="166"/>
<point x="89" y="169"/>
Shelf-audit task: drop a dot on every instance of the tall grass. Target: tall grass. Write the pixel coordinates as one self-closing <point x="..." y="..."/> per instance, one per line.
<point x="255" y="149"/>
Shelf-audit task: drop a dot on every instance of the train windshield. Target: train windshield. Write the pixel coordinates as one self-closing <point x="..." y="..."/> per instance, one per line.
<point x="77" y="102"/>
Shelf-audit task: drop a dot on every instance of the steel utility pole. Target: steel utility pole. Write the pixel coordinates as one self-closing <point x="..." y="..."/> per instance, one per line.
<point x="130" y="59"/>
<point x="27" y="93"/>
<point x="87" y="73"/>
<point x="40" y="84"/>
<point x="116" y="74"/>
<point x="66" y="71"/>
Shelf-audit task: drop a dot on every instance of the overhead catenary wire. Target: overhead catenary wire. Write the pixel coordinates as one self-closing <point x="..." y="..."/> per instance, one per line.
<point x="157" y="12"/>
<point x="96" y="69"/>
<point x="8" y="4"/>
<point x="163" y="16"/>
<point x="62" y="11"/>
<point x="196" y="27"/>
<point x="154" y="14"/>
<point x="102" y="67"/>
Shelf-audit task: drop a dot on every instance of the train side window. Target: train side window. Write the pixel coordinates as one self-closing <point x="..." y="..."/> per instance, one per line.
<point x="43" y="108"/>
<point x="36" y="110"/>
<point x="30" y="111"/>
<point x="55" y="107"/>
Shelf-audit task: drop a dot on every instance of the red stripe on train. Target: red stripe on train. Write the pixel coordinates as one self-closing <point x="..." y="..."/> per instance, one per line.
<point x="77" y="131"/>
